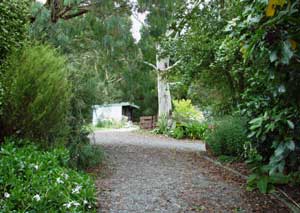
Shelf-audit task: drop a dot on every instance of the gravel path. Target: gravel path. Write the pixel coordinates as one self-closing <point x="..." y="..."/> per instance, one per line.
<point x="158" y="174"/>
<point x="126" y="137"/>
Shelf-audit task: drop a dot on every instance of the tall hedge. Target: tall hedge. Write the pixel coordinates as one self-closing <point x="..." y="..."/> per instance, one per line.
<point x="13" y="30"/>
<point x="36" y="94"/>
<point x="14" y="16"/>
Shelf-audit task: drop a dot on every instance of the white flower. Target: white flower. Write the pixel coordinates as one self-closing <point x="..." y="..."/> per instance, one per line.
<point x="76" y="203"/>
<point x="89" y="206"/>
<point x="76" y="189"/>
<point x="68" y="205"/>
<point x="85" y="202"/>
<point x="58" y="180"/>
<point x="281" y="89"/>
<point x="22" y="166"/>
<point x="6" y="195"/>
<point x="66" y="176"/>
<point x="34" y="166"/>
<point x="37" y="197"/>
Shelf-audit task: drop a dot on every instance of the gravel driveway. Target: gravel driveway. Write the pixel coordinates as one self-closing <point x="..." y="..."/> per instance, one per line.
<point x="157" y="174"/>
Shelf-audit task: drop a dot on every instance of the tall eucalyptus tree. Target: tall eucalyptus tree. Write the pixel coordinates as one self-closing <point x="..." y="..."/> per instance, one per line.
<point x="160" y="18"/>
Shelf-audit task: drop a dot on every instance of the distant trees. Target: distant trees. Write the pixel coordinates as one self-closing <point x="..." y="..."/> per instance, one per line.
<point x="68" y="9"/>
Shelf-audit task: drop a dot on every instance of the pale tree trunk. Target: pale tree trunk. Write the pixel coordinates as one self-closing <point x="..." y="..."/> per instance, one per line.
<point x="162" y="67"/>
<point x="163" y="88"/>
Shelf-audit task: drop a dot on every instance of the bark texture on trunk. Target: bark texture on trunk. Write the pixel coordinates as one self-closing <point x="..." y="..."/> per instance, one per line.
<point x="163" y="88"/>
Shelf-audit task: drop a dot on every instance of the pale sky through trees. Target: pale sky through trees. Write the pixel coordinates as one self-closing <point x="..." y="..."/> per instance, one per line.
<point x="138" y="19"/>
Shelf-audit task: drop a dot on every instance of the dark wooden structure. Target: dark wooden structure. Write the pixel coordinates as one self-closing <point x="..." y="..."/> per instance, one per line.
<point x="127" y="110"/>
<point x="148" y="122"/>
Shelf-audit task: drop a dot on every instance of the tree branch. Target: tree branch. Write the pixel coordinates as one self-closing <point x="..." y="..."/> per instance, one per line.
<point x="72" y="15"/>
<point x="174" y="65"/>
<point x="151" y="65"/>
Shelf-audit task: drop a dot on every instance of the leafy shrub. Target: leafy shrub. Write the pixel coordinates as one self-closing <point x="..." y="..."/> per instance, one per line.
<point x="196" y="130"/>
<point x="13" y="18"/>
<point x="193" y="130"/>
<point x="83" y="154"/>
<point x="184" y="111"/>
<point x="38" y="181"/>
<point x="13" y="31"/>
<point x="178" y="132"/>
<point x="36" y="96"/>
<point x="228" y="137"/>
<point x="186" y="121"/>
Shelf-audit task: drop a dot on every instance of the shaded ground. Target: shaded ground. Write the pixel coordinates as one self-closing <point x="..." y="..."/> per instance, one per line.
<point x="157" y="174"/>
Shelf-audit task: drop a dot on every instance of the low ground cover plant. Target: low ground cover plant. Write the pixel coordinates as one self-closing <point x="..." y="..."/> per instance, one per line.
<point x="32" y="180"/>
<point x="111" y="124"/>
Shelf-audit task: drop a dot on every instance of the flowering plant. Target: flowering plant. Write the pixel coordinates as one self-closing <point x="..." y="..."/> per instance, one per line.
<point x="40" y="181"/>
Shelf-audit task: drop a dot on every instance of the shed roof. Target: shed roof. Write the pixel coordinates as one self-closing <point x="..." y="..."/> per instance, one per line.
<point x="119" y="104"/>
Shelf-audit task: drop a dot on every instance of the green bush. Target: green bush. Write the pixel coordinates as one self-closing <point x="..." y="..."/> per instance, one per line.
<point x="36" y="94"/>
<point x="82" y="153"/>
<point x="196" y="130"/>
<point x="14" y="29"/>
<point x="184" y="111"/>
<point x="193" y="130"/>
<point x="228" y="137"/>
<point x="37" y="181"/>
<point x="178" y="132"/>
<point x="187" y="122"/>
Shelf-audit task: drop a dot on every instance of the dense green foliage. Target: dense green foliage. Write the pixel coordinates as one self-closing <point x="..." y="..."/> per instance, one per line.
<point x="235" y="56"/>
<point x="184" y="111"/>
<point x="187" y="122"/>
<point x="13" y="30"/>
<point x="108" y="54"/>
<point x="37" y="181"/>
<point x="244" y="56"/>
<point x="228" y="136"/>
<point x="83" y="154"/>
<point x="36" y="95"/>
<point x="14" y="19"/>
<point x="45" y="96"/>
<point x="272" y="100"/>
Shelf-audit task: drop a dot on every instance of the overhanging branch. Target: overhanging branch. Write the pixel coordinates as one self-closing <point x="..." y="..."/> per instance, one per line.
<point x="174" y="65"/>
<point x="151" y="65"/>
<point x="72" y="15"/>
<point x="164" y="70"/>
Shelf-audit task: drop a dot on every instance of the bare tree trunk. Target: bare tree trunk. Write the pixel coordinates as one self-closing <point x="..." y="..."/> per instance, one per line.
<point x="164" y="94"/>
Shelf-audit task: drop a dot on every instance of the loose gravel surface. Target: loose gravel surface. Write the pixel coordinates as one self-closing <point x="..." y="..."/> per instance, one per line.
<point x="147" y="173"/>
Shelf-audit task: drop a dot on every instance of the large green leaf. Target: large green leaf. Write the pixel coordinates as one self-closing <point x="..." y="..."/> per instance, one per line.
<point x="291" y="124"/>
<point x="286" y="52"/>
<point x="262" y="184"/>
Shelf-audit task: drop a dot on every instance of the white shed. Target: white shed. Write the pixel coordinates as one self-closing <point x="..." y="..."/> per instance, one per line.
<point x="113" y="112"/>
